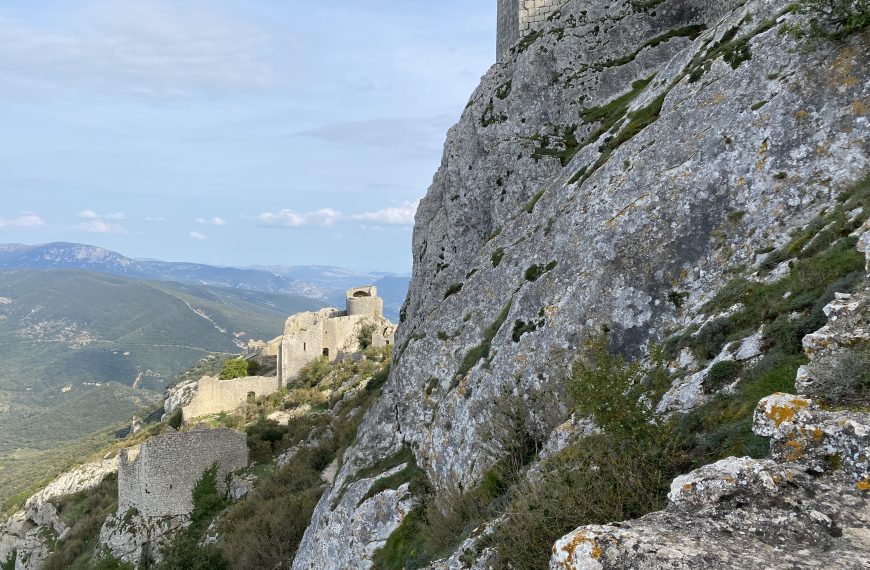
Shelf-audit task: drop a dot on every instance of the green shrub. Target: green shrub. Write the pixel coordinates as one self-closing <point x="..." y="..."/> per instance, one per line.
<point x="497" y="256"/>
<point x="84" y="513"/>
<point x="835" y="19"/>
<point x="176" y="419"/>
<point x="843" y="378"/>
<point x="364" y="337"/>
<point x="720" y="375"/>
<point x="185" y="553"/>
<point x="109" y="562"/>
<point x="534" y="272"/>
<point x="313" y="373"/>
<point x="207" y="501"/>
<point x="453" y="289"/>
<point x="9" y="563"/>
<point x="235" y="368"/>
<point x="623" y="472"/>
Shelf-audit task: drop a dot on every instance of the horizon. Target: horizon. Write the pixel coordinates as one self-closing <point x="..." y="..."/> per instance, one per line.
<point x="232" y="133"/>
<point x="259" y="267"/>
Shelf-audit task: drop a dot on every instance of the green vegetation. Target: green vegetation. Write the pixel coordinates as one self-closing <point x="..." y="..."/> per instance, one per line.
<point x="235" y="368"/>
<point x="530" y="207"/>
<point x="143" y="327"/>
<point x="832" y="19"/>
<point x="84" y="513"/>
<point x="721" y="374"/>
<point x="497" y="256"/>
<point x="441" y="522"/>
<point x="825" y="261"/>
<point x="264" y="529"/>
<point x="564" y="147"/>
<point x="481" y="351"/>
<point x="534" y="272"/>
<point x="691" y="32"/>
<point x="364" y="337"/>
<point x="184" y="552"/>
<point x="453" y="289"/>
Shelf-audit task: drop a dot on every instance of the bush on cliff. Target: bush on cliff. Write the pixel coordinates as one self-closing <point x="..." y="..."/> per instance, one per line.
<point x="235" y="368"/>
<point x="834" y="19"/>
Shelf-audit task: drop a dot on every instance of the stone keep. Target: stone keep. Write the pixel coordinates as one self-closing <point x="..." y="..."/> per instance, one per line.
<point x="332" y="333"/>
<point x="516" y="18"/>
<point x="157" y="477"/>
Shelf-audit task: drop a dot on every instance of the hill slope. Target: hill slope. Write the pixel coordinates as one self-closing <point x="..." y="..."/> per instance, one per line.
<point x="314" y="281"/>
<point x="74" y="343"/>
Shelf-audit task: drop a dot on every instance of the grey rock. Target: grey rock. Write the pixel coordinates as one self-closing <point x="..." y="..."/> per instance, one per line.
<point x="620" y="232"/>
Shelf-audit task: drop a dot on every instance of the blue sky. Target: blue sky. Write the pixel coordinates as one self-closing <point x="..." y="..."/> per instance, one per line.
<point x="232" y="132"/>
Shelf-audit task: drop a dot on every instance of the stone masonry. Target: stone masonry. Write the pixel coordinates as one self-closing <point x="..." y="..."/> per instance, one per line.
<point x="516" y="18"/>
<point x="332" y="333"/>
<point x="157" y="477"/>
<point x="214" y="395"/>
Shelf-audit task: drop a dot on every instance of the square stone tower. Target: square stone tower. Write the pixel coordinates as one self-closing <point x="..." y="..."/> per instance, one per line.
<point x="516" y="18"/>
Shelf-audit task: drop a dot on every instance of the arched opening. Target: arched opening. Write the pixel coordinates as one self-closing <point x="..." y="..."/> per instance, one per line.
<point x="359" y="294"/>
<point x="252" y="397"/>
<point x="326" y="352"/>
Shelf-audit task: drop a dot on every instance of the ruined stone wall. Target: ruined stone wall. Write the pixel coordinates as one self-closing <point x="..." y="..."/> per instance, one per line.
<point x="214" y="395"/>
<point x="302" y="343"/>
<point x="384" y="335"/>
<point x="157" y="477"/>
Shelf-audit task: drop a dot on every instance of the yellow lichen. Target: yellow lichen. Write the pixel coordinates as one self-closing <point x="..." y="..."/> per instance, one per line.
<point x="818" y="434"/>
<point x="597" y="551"/>
<point x="801" y="114"/>
<point x="795" y="451"/>
<point x="860" y="108"/>
<point x="863" y="485"/>
<point x="780" y="414"/>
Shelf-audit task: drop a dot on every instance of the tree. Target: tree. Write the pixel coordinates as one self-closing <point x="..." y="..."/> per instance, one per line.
<point x="235" y="368"/>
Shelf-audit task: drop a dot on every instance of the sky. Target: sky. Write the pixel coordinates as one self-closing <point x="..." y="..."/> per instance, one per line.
<point x="232" y="132"/>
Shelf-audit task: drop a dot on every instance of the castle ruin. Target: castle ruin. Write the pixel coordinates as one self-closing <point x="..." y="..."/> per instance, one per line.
<point x="332" y="333"/>
<point x="517" y="18"/>
<point x="214" y="395"/>
<point x="157" y="477"/>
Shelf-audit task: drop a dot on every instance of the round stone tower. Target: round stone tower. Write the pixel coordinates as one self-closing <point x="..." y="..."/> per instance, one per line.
<point x="364" y="301"/>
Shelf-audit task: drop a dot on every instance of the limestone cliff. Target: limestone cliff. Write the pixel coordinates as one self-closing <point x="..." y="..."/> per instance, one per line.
<point x="607" y="173"/>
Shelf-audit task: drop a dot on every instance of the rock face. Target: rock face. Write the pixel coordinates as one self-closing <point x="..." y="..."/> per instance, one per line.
<point x="606" y="171"/>
<point x="807" y="507"/>
<point x="26" y="535"/>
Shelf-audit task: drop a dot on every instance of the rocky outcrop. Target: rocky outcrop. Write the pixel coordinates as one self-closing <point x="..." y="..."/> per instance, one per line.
<point x="605" y="173"/>
<point x="27" y="535"/>
<point x="131" y="538"/>
<point x="808" y="506"/>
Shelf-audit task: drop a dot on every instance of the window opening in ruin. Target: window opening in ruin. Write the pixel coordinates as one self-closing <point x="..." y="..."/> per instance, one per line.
<point x="326" y="352"/>
<point x="359" y="294"/>
<point x="252" y="396"/>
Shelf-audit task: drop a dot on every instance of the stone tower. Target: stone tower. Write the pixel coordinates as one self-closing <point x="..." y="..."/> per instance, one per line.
<point x="516" y="18"/>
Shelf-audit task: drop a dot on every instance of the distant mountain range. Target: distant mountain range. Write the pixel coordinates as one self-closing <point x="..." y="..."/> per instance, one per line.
<point x="323" y="283"/>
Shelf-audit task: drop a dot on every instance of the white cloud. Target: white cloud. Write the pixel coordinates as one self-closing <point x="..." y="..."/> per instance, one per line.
<point x="24" y="220"/>
<point x="155" y="220"/>
<point x="211" y="221"/>
<point x="399" y="216"/>
<point x="196" y="235"/>
<point x="394" y="216"/>
<point x="152" y="48"/>
<point x="101" y="224"/>
<point x="290" y="219"/>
